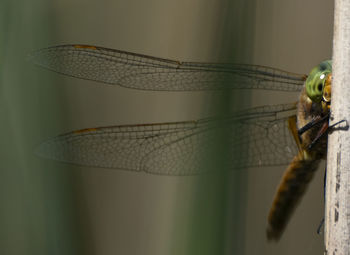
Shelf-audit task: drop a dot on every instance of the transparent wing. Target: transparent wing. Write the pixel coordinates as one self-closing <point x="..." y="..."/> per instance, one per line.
<point x="255" y="137"/>
<point x="150" y="73"/>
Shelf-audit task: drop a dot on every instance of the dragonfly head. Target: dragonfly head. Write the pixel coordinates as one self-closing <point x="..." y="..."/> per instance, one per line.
<point x="318" y="83"/>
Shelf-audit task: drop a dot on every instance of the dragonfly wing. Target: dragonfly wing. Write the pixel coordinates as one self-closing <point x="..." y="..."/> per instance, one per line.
<point x="256" y="137"/>
<point x="150" y="73"/>
<point x="264" y="138"/>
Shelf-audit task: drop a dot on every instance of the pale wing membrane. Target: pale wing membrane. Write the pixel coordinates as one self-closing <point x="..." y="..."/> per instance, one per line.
<point x="150" y="73"/>
<point x="256" y="137"/>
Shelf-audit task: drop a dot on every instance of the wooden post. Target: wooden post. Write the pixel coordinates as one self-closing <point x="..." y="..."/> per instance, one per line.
<point x="337" y="213"/>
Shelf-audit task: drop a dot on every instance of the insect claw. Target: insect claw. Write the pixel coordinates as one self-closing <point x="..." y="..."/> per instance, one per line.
<point x="345" y="127"/>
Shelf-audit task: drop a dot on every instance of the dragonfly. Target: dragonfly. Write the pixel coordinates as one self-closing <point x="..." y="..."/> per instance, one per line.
<point x="292" y="134"/>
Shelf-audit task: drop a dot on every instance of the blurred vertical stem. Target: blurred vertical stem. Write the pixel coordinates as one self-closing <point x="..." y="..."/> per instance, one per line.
<point x="37" y="214"/>
<point x="216" y="221"/>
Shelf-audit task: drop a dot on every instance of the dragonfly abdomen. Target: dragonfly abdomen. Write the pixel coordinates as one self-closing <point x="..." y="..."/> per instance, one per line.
<point x="289" y="193"/>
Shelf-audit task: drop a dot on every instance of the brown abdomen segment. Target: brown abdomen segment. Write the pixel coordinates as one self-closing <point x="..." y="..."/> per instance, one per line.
<point x="292" y="187"/>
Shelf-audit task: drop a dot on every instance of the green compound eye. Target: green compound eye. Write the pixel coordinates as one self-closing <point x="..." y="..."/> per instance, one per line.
<point x="316" y="80"/>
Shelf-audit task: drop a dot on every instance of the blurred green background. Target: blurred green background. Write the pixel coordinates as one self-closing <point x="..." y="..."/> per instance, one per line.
<point x="53" y="208"/>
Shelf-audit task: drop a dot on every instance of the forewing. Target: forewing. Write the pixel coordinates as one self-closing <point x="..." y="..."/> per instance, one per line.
<point x="150" y="73"/>
<point x="256" y="137"/>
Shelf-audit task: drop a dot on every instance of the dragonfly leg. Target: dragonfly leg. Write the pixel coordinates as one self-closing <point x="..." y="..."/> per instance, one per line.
<point x="320" y="227"/>
<point x="345" y="127"/>
<point x="325" y="129"/>
<point x="312" y="123"/>
<point x="322" y="132"/>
